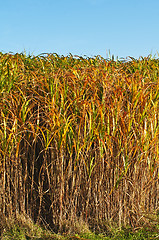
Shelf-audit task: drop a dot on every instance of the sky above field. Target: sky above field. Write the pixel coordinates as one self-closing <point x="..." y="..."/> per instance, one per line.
<point x="81" y="27"/>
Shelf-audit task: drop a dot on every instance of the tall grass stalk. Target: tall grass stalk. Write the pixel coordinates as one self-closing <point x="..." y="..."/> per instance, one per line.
<point x="79" y="139"/>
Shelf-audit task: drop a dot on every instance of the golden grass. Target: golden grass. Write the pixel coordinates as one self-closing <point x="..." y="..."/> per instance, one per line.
<point x="79" y="138"/>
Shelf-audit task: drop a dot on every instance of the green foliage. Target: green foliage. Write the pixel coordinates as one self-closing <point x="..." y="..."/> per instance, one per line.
<point x="18" y="233"/>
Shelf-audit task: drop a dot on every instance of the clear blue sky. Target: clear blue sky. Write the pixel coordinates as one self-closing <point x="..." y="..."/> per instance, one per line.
<point x="80" y="27"/>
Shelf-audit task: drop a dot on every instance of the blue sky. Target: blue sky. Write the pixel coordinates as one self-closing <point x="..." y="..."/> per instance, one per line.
<point x="80" y="27"/>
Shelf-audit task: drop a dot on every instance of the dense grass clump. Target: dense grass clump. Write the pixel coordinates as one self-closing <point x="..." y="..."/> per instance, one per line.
<point x="79" y="140"/>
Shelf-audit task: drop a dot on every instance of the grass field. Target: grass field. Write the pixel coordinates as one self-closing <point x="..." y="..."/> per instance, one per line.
<point x="25" y="229"/>
<point x="79" y="141"/>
